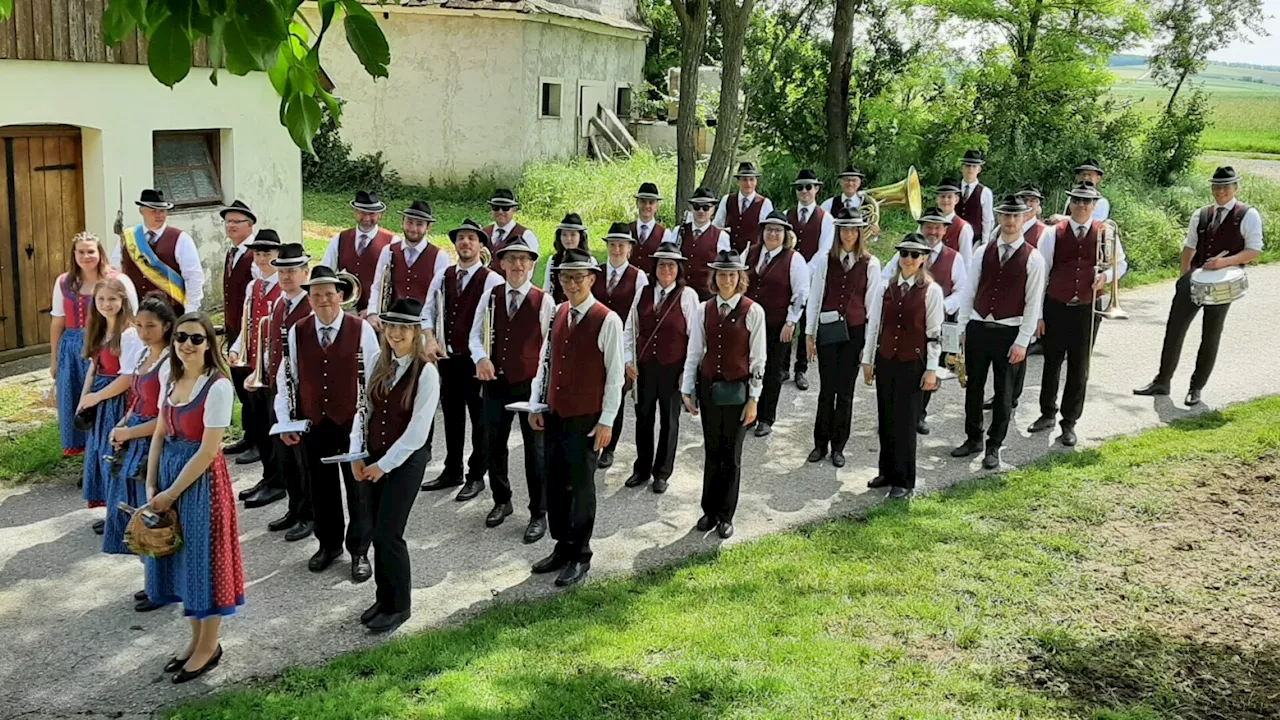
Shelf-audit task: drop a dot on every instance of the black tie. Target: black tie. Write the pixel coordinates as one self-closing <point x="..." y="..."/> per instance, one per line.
<point x="1218" y="216"/>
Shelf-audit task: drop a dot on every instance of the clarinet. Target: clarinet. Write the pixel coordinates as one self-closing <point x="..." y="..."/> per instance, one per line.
<point x="388" y="282"/>
<point x="545" y="391"/>
<point x="362" y="407"/>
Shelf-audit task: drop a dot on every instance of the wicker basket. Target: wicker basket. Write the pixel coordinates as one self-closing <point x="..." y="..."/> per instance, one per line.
<point x="154" y="542"/>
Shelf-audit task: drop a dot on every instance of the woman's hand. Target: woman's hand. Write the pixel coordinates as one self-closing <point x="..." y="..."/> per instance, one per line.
<point x="868" y="374"/>
<point x="119" y="436"/>
<point x="688" y="405"/>
<point x="53" y="366"/>
<point x="929" y="382"/>
<point x="357" y="470"/>
<point x="535" y="421"/>
<point x="373" y="473"/>
<point x="290" y="439"/>
<point x="632" y="373"/>
<point x="161" y="502"/>
<point x="88" y="400"/>
<point x="788" y="333"/>
<point x="749" y="412"/>
<point x="812" y="342"/>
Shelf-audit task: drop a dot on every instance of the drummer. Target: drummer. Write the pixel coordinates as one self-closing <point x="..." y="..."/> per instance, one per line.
<point x="1226" y="234"/>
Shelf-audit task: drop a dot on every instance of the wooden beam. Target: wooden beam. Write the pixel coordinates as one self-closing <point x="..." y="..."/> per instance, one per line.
<point x="76" y="31"/>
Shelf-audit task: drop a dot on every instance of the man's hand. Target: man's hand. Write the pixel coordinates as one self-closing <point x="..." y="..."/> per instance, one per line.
<point x="929" y="382"/>
<point x="1017" y="354"/>
<point x="788" y="332"/>
<point x="233" y="358"/>
<point x="485" y="370"/>
<point x="1217" y="261"/>
<point x="1099" y="282"/>
<point x="375" y="321"/>
<point x="813" y="346"/>
<point x="290" y="439"/>
<point x="632" y="372"/>
<point x="749" y="412"/>
<point x="535" y="421"/>
<point x="688" y="405"/>
<point x="603" y="434"/>
<point x="1039" y="328"/>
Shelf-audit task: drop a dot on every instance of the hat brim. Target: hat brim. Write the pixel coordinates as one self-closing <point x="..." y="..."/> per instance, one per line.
<point x="341" y="284"/>
<point x="1037" y="195"/>
<point x="917" y="247"/>
<point x="946" y="189"/>
<point x="1012" y="210"/>
<point x="291" y="262"/>
<point x="516" y="248"/>
<point x="362" y="207"/>
<point x="971" y="161"/>
<point x="648" y="196"/>
<point x="850" y="223"/>
<point x="418" y="215"/>
<point x="858" y="175"/>
<point x="935" y="219"/>
<point x="1090" y="168"/>
<point x="740" y="176"/>
<point x="154" y="205"/>
<point x="1083" y="195"/>
<point x="779" y="223"/>
<point x="578" y="228"/>
<point x="224" y="212"/>
<point x="502" y="203"/>
<point x="814" y="181"/>
<point x="578" y="266"/>
<point x="728" y="267"/>
<point x="399" y="319"/>
<point x="264" y="246"/>
<point x="703" y="201"/>
<point x="453" y="234"/>
<point x="1225" y="181"/>
<point x="619" y="237"/>
<point x="669" y="256"/>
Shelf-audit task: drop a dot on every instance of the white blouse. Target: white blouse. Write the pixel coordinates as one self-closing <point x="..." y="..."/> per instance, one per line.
<point x="217" y="406"/>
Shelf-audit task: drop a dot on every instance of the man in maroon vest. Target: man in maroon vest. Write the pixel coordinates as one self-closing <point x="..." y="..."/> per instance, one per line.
<point x="815" y="233"/>
<point x="326" y="352"/>
<point x="507" y="362"/>
<point x="171" y="247"/>
<point x="356" y="250"/>
<point x="406" y="269"/>
<point x="851" y="196"/>
<point x="700" y="241"/>
<point x="998" y="312"/>
<point x="741" y="212"/>
<point x="1033" y="227"/>
<point x="975" y="200"/>
<point x="237" y="272"/>
<point x="958" y="234"/>
<point x="619" y="290"/>
<point x="1075" y="284"/>
<point x="582" y="372"/>
<point x="460" y="287"/>
<point x="778" y="280"/>
<point x="1227" y="233"/>
<point x="502" y="208"/>
<point x="648" y="232"/>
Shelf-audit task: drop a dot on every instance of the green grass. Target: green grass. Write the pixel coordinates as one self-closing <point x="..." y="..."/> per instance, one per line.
<point x="974" y="603"/>
<point x="1245" y="116"/>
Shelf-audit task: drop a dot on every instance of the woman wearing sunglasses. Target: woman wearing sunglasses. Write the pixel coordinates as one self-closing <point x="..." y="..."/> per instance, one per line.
<point x="905" y="324"/>
<point x="186" y="471"/>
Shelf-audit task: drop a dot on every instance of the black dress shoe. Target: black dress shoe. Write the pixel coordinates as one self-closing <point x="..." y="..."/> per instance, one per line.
<point x="606" y="460"/>
<point x="282" y="523"/>
<point x="991" y="460"/>
<point x="361" y="570"/>
<point x="470" y="490"/>
<point x="175" y="664"/>
<point x="636" y="480"/>
<point x="988" y="404"/>
<point x="659" y="485"/>
<point x="901" y="493"/>
<point x="1068" y="437"/>
<point x="550" y="563"/>
<point x="572" y="573"/>
<point x="816" y="455"/>
<point x="300" y="531"/>
<point x="724" y="529"/>
<point x="786" y="376"/>
<point x="140" y="595"/>
<point x="386" y="622"/>
<point x="536" y="528"/>
<point x="443" y="482"/>
<point x="99" y="526"/>
<point x="879" y="481"/>
<point x="185" y="675"/>
<point x="237" y="447"/>
<point x="1193" y="397"/>
<point x="837" y="458"/>
<point x="250" y="492"/>
<point x="373" y="611"/>
<point x="1153" y="388"/>
<point x="498" y="514"/>
<point x="322" y="560"/>
<point x="802" y="382"/>
<point x="264" y="497"/>
<point x="705" y="523"/>
<point x="248" y="457"/>
<point x="146" y="605"/>
<point x="763" y="428"/>
<point x="1042" y="423"/>
<point x="922" y="427"/>
<point x="970" y="447"/>
<point x="1035" y="348"/>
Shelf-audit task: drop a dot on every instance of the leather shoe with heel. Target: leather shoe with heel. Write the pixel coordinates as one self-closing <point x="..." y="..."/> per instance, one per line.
<point x="724" y="529"/>
<point x="802" y="381"/>
<point x="373" y="611"/>
<point x="550" y="563"/>
<point x="1042" y="423"/>
<point x="1193" y="397"/>
<point x="536" y="528"/>
<point x="605" y="461"/>
<point x="705" y="523"/>
<point x="283" y="523"/>
<point x="264" y="497"/>
<point x="386" y="622"/>
<point x="816" y="455"/>
<point x="470" y="490"/>
<point x="361" y="570"/>
<point x="572" y="573"/>
<point x="250" y="492"/>
<point x="443" y="482"/>
<point x="763" y="429"/>
<point x="659" y="485"/>
<point x="636" y="480"/>
<point x="901" y="493"/>
<point x="922" y="427"/>
<point x="248" y="457"/>
<point x="837" y="458"/>
<point x="1068" y="437"/>
<point x="185" y="675"/>
<point x="322" y="560"/>
<point x="301" y="531"/>
<point x="1153" y="388"/>
<point x="498" y="514"/>
<point x="970" y="447"/>
<point x="879" y="481"/>
<point x="991" y="460"/>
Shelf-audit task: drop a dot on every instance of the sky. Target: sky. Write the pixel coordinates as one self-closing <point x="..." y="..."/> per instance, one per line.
<point x="1263" y="51"/>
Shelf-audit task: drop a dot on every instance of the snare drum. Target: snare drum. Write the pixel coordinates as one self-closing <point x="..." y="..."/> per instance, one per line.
<point x="1218" y="287"/>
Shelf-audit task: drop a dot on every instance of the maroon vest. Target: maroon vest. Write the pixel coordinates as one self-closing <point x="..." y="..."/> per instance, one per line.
<point x="279" y="331"/>
<point x="235" y="280"/>
<point x="642" y="252"/>
<point x="772" y="289"/>
<point x="744" y="228"/>
<point x="1001" y="290"/>
<point x="460" y="310"/>
<point x="663" y="332"/>
<point x="902" y="331"/>
<point x="952" y="238"/>
<point x="517" y="341"/>
<point x="700" y="253"/>
<point x="166" y="249"/>
<point x="623" y="295"/>
<point x="581" y="391"/>
<point x="327" y="377"/>
<point x="1074" y="264"/>
<point x="517" y="230"/>
<point x="412" y="282"/>
<point x="388" y="417"/>
<point x="807" y="235"/>
<point x="1033" y="233"/>
<point x="728" y="355"/>
<point x="971" y="210"/>
<point x="941" y="269"/>
<point x="260" y="307"/>
<point x="362" y="265"/>
<point x="1227" y="237"/>
<point x="846" y="292"/>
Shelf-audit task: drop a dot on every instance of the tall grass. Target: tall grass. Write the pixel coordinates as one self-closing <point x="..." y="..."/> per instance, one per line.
<point x="600" y="192"/>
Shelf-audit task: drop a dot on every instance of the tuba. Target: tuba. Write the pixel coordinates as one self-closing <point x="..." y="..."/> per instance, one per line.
<point x="350" y="303"/>
<point x="905" y="192"/>
<point x="1108" y="250"/>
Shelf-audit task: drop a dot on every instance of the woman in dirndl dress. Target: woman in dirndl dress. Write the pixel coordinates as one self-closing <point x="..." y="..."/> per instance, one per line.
<point x="68" y="316"/>
<point x="186" y="471"/>
<point x="131" y="438"/>
<point x="112" y="346"/>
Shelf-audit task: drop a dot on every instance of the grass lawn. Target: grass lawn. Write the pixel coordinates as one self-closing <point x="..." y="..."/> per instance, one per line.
<point x="1245" y="116"/>
<point x="1136" y="581"/>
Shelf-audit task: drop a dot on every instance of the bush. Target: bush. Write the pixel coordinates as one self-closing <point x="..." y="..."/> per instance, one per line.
<point x="332" y="169"/>
<point x="1173" y="143"/>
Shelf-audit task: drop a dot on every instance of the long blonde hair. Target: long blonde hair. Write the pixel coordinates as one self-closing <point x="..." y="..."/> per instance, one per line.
<point x="859" y="248"/>
<point x="384" y="371"/>
<point x="95" y="337"/>
<point x="75" y="278"/>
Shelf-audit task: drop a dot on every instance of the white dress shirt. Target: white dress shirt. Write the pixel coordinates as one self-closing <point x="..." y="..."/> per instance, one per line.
<point x="854" y="200"/>
<point x="368" y="344"/>
<point x="506" y="234"/>
<point x="267" y="283"/>
<point x="330" y="259"/>
<point x="435" y="295"/>
<point x="933" y="317"/>
<point x="698" y="346"/>
<point x="644" y="228"/>
<point x="1033" y="294"/>
<point x="425" y="401"/>
<point x="689" y="306"/>
<point x="799" y="279"/>
<point x="610" y="343"/>
<point x="1049" y="242"/>
<point x="959" y="275"/>
<point x="722" y="213"/>
<point x="642" y="281"/>
<point x="189" y="266"/>
<point x="673" y="236"/>
<point x="501" y="295"/>
<point x="966" y="239"/>
<point x="131" y="350"/>
<point x="827" y="236"/>
<point x="1250" y="227"/>
<point x="384" y="261"/>
<point x="57" y="310"/>
<point x="818" y="286"/>
<point x="989" y="227"/>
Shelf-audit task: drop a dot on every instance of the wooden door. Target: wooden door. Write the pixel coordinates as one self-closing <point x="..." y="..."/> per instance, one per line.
<point x="41" y="209"/>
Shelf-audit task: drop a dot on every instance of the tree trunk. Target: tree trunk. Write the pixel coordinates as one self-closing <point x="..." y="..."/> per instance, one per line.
<point x="692" y="15"/>
<point x="734" y="19"/>
<point x="838" y="79"/>
<point x="1168" y="109"/>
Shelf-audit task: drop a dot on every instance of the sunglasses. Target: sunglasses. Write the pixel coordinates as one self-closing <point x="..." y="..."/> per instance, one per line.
<point x="913" y="254"/>
<point x="194" y="338"/>
<point x="1081" y="201"/>
<point x="806" y="187"/>
<point x="702" y="208"/>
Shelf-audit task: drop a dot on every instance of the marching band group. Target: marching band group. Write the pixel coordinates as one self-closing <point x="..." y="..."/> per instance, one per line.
<point x="336" y="382"/>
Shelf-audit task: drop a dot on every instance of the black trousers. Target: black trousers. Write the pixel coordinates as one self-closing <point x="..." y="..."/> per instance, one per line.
<point x="571" y="483"/>
<point x="802" y="345"/>
<point x="898" y="401"/>
<point x="658" y="395"/>
<point x="1067" y="336"/>
<point x="722" y="435"/>
<point x="839" y="366"/>
<point x="255" y="418"/>
<point x="777" y="357"/>
<point x="292" y="470"/>
<point x="497" y="395"/>
<point x="460" y="399"/>
<point x="390" y="500"/>
<point x="987" y="352"/>
<point x="618" y="419"/>
<point x="1181" y="314"/>
<point x="322" y="440"/>
<point x="942" y="365"/>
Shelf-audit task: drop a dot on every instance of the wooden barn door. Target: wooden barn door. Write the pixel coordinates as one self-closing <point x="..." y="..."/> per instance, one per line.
<point x="41" y="209"/>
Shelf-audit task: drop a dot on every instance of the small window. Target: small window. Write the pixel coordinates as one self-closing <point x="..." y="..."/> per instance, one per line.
<point x="550" y="99"/>
<point x="623" y="105"/>
<point x="187" y="168"/>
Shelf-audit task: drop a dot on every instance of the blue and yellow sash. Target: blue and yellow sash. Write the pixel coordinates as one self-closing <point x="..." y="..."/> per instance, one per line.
<point x="153" y="269"/>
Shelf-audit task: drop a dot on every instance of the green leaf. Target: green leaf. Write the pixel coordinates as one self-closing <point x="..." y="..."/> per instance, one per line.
<point x="136" y="9"/>
<point x="302" y="117"/>
<point x="263" y="22"/>
<point x="116" y="23"/>
<point x="169" y="52"/>
<point x="6" y="9"/>
<point x="245" y="51"/>
<point x="279" y="74"/>
<point x="331" y="102"/>
<point x="366" y="39"/>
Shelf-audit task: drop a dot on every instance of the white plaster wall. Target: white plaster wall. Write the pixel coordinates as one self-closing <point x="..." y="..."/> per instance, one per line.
<point x="118" y="107"/>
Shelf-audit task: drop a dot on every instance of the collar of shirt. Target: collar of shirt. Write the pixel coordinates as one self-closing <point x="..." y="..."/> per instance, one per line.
<point x="269" y="281"/>
<point x="1013" y="246"/>
<point x="468" y="269"/>
<point x="1028" y="224"/>
<point x="854" y="197"/>
<point x="904" y="280"/>
<point x="403" y="361"/>
<point x="620" y="269"/>
<point x="293" y="300"/>
<point x="422" y="245"/>
<point x="934" y="252"/>
<point x="749" y="198"/>
<point x="160" y="231"/>
<point x="646" y="225"/>
<point x="731" y="302"/>
<point x="238" y="251"/>
<point x="844" y="254"/>
<point x="523" y="290"/>
<point x="506" y="229"/>
<point x="585" y="306"/>
<point x="1075" y="226"/>
<point x="701" y="228"/>
<point x="360" y="233"/>
<point x="808" y="207"/>
<point x="950" y="216"/>
<point x="1228" y="207"/>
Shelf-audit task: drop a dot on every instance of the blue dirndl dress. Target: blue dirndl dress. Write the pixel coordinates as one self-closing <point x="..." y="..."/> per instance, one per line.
<point x="72" y="367"/>
<point x="97" y="443"/>
<point x="145" y="391"/>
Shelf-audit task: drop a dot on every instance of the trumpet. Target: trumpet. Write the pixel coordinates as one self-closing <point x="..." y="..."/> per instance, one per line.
<point x="255" y="380"/>
<point x="350" y="303"/>
<point x="1108" y="252"/>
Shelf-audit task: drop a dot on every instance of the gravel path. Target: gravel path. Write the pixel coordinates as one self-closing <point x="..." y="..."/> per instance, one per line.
<point x="1269" y="169"/>
<point x="70" y="644"/>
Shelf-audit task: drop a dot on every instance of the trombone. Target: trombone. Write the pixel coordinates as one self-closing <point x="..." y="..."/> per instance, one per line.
<point x="1108" y="259"/>
<point x="254" y="381"/>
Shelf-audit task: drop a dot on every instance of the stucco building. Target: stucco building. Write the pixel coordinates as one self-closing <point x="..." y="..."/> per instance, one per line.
<point x="482" y="87"/>
<point x="80" y="120"/>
